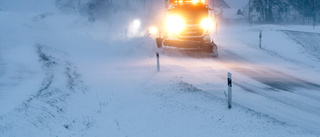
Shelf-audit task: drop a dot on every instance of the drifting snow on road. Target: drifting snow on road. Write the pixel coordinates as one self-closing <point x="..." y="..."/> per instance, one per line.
<point x="63" y="76"/>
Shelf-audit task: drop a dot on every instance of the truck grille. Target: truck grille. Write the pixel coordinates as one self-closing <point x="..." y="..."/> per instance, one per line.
<point x="192" y="30"/>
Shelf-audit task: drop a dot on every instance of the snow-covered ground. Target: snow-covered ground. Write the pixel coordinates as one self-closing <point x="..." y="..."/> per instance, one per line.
<point x="62" y="76"/>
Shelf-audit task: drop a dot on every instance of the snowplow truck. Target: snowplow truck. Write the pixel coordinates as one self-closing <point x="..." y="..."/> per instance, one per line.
<point x="188" y="24"/>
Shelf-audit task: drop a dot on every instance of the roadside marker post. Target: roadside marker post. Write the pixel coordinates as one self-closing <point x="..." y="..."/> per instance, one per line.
<point x="229" y="91"/>
<point x="260" y="38"/>
<point x="158" y="62"/>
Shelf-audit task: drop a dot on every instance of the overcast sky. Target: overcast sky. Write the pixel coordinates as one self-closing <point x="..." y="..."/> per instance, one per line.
<point x="240" y="4"/>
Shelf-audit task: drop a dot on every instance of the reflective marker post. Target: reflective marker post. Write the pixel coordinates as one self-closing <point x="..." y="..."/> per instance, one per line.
<point x="260" y="38"/>
<point x="229" y="91"/>
<point x="158" y="62"/>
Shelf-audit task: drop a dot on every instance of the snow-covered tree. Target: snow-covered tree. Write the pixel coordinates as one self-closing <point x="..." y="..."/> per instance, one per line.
<point x="71" y="5"/>
<point x="306" y="7"/>
<point x="271" y="10"/>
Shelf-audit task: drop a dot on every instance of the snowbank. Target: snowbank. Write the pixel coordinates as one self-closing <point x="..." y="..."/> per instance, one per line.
<point x="63" y="76"/>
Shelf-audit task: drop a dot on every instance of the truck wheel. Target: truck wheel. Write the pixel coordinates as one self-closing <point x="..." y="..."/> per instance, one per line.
<point x="211" y="48"/>
<point x="207" y="47"/>
<point x="159" y="42"/>
<point x="214" y="50"/>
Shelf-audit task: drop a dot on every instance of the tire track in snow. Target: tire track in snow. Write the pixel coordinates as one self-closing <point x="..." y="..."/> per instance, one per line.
<point x="45" y="110"/>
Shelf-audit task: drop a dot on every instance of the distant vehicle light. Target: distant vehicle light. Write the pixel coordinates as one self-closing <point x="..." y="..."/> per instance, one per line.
<point x="136" y="23"/>
<point x="153" y="30"/>
<point x="174" y="24"/>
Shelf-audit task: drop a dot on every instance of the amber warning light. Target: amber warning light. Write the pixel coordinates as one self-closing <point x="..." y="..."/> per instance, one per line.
<point x="186" y="1"/>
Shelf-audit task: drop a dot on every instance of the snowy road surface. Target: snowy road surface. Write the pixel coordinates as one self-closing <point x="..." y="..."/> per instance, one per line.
<point x="68" y="79"/>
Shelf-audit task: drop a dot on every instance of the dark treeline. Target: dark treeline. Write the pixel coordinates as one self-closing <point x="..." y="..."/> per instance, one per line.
<point x="271" y="11"/>
<point x="286" y="11"/>
<point x="103" y="8"/>
<point x="84" y="7"/>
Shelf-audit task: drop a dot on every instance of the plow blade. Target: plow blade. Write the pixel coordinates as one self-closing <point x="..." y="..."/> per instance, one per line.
<point x="182" y="43"/>
<point x="198" y="45"/>
<point x="208" y="47"/>
<point x="159" y="42"/>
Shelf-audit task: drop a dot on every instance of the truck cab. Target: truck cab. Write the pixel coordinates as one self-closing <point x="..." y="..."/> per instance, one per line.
<point x="188" y="24"/>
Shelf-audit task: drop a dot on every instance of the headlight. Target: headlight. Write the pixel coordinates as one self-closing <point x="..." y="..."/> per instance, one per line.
<point x="206" y="23"/>
<point x="153" y="30"/>
<point x="174" y="24"/>
<point x="136" y="24"/>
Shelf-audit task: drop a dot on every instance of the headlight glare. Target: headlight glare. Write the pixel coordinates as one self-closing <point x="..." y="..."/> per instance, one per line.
<point x="206" y="23"/>
<point x="153" y="30"/>
<point x="174" y="24"/>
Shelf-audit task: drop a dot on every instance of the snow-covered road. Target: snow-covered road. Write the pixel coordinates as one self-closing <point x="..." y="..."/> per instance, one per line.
<point x="71" y="79"/>
<point x="281" y="85"/>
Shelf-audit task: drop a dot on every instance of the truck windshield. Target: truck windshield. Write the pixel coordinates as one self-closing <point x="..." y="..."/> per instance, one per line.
<point x="191" y="13"/>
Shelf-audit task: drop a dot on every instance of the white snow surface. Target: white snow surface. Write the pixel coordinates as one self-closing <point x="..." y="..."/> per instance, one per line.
<point x="63" y="76"/>
<point x="239" y="4"/>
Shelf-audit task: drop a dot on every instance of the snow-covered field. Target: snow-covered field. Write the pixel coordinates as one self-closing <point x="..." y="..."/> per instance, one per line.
<point x="62" y="76"/>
